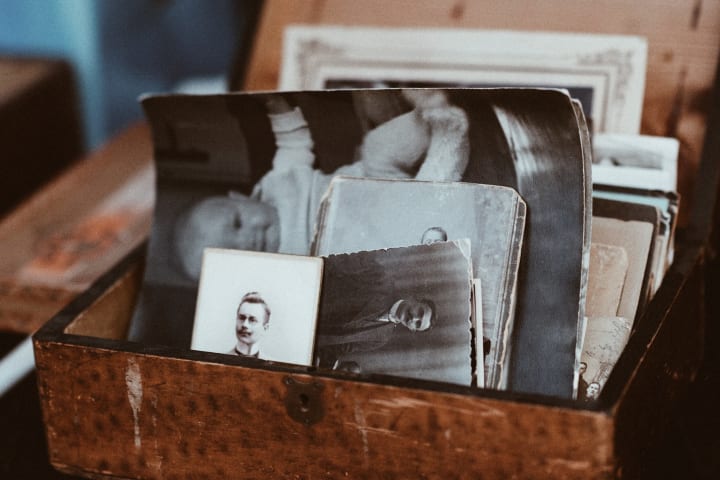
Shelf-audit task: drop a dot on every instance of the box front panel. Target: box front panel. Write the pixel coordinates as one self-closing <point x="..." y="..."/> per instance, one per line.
<point x="143" y="416"/>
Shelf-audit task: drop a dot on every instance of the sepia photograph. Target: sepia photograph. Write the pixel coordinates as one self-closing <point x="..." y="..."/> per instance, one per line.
<point x="605" y="339"/>
<point x="369" y="214"/>
<point x="258" y="305"/>
<point x="76" y="254"/>
<point x="262" y="192"/>
<point x="668" y="206"/>
<point x="634" y="228"/>
<point x="605" y="72"/>
<point x="401" y="311"/>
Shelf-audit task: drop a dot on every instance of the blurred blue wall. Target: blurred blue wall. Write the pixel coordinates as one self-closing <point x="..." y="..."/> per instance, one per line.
<point x="121" y="49"/>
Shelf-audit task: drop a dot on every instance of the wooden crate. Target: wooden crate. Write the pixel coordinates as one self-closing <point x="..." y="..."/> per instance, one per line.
<point x="114" y="408"/>
<point x="117" y="408"/>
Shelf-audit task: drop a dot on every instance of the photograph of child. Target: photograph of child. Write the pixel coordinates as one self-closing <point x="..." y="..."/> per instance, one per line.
<point x="268" y="198"/>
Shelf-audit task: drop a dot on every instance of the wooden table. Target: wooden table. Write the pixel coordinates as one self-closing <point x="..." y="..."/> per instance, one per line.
<point x="65" y="236"/>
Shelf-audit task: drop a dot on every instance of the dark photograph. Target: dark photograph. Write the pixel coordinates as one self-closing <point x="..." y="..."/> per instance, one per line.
<point x="401" y="311"/>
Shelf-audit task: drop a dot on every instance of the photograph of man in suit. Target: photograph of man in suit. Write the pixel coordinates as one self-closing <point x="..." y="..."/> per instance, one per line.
<point x="401" y="311"/>
<point x="372" y="327"/>
<point x="363" y="308"/>
<point x="251" y="324"/>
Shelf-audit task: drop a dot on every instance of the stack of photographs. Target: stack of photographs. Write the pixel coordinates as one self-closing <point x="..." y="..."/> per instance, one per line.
<point x="632" y="248"/>
<point x="366" y="214"/>
<point x="508" y="169"/>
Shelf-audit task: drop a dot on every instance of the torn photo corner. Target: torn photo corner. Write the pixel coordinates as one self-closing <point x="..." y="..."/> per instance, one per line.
<point x="399" y="311"/>
<point x="279" y="151"/>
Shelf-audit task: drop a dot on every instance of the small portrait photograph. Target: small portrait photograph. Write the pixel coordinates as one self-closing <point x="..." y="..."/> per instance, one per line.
<point x="401" y="311"/>
<point x="258" y="305"/>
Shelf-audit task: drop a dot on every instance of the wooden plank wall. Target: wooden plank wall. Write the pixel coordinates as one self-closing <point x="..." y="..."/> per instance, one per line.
<point x="683" y="38"/>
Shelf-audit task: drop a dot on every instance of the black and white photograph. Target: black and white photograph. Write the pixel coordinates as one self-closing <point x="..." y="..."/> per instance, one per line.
<point x="258" y="305"/>
<point x="369" y="214"/>
<point x="636" y="161"/>
<point x="402" y="311"/>
<point x="605" y="72"/>
<point x="294" y="143"/>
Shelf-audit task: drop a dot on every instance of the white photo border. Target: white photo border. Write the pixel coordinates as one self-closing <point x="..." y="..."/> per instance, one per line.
<point x="612" y="66"/>
<point x="289" y="283"/>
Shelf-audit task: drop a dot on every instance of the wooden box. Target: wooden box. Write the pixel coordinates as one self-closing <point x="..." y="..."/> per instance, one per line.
<point x="117" y="408"/>
<point x="114" y="408"/>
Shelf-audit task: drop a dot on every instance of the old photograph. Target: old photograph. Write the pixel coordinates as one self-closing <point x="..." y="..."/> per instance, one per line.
<point x="258" y="305"/>
<point x="78" y="252"/>
<point x="634" y="228"/>
<point x="400" y="311"/>
<point x="368" y="214"/>
<point x="605" y="72"/>
<point x="605" y="339"/>
<point x="636" y="161"/>
<point x="668" y="206"/>
<point x="263" y="191"/>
